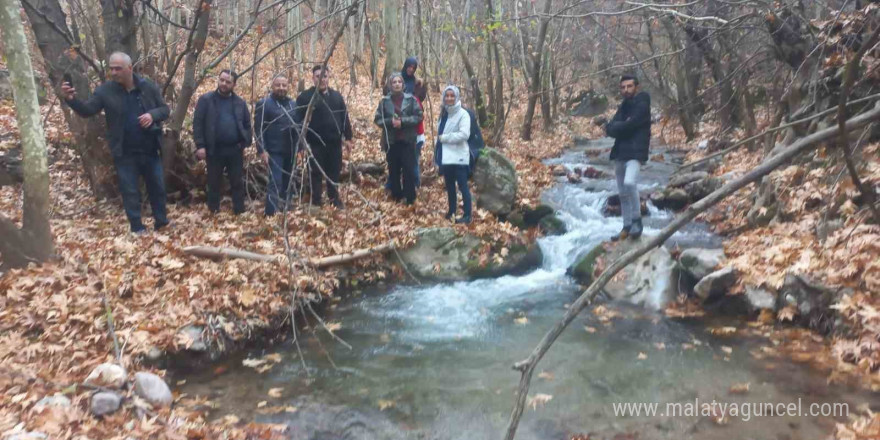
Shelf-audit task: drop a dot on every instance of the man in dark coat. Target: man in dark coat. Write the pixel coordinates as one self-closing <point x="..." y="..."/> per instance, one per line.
<point x="222" y="130"/>
<point x="631" y="130"/>
<point x="134" y="109"/>
<point x="276" y="128"/>
<point x="328" y="129"/>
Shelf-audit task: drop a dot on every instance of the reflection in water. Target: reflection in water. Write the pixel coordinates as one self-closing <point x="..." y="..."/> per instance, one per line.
<point x="433" y="361"/>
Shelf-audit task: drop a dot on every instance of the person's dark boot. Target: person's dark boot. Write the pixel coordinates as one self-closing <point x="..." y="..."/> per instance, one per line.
<point x="449" y="215"/>
<point x="466" y="220"/>
<point x="338" y="204"/>
<point x="624" y="233"/>
<point x="636" y="230"/>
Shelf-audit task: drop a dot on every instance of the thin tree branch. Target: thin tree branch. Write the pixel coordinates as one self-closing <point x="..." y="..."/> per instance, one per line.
<point x="527" y="366"/>
<point x="849" y="78"/>
<point x="73" y="44"/>
<point x="775" y="129"/>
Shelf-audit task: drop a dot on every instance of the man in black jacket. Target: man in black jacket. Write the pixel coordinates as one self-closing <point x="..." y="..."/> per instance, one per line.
<point x="276" y="128"/>
<point x="222" y="129"/>
<point x="631" y="130"/>
<point x="328" y="129"/>
<point x="134" y="109"/>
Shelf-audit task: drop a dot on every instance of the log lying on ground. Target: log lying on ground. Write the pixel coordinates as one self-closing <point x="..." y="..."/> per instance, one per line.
<point x="527" y="366"/>
<point x="317" y="263"/>
<point x="220" y="253"/>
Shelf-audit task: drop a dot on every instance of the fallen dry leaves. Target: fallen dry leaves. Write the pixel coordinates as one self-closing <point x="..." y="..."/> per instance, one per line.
<point x="53" y="326"/>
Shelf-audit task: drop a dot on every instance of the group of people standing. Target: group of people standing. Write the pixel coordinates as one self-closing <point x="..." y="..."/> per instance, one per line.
<point x="400" y="116"/>
<point x="134" y="110"/>
<point x="223" y="127"/>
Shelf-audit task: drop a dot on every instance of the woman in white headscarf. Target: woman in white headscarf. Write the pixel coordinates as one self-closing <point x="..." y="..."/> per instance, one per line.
<point x="453" y="131"/>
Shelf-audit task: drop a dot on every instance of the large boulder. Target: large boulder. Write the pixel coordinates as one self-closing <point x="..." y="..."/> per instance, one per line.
<point x="552" y="225"/>
<point x="194" y="337"/>
<point x="612" y="206"/>
<point x="495" y="182"/>
<point x="440" y="254"/>
<point x="700" y="262"/>
<point x="645" y="281"/>
<point x="696" y="191"/>
<point x="519" y="260"/>
<point x="107" y="375"/>
<point x="812" y="301"/>
<point x="54" y="401"/>
<point x="670" y="198"/>
<point x="583" y="269"/>
<point x="680" y="180"/>
<point x="759" y="298"/>
<point x="531" y="216"/>
<point x="152" y="389"/>
<point x="104" y="403"/>
<point x="715" y="284"/>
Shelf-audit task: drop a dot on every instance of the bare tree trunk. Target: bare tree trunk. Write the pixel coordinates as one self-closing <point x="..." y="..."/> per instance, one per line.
<point x="374" y="53"/>
<point x="49" y="24"/>
<point x="120" y="27"/>
<point x="535" y="88"/>
<point x="171" y="156"/>
<point x="475" y="84"/>
<point x="495" y="56"/>
<point x="33" y="242"/>
<point x="393" y="48"/>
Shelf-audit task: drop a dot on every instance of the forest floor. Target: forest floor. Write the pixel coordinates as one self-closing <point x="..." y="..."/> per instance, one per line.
<point x="53" y="322"/>
<point x="809" y="193"/>
<point x="54" y="325"/>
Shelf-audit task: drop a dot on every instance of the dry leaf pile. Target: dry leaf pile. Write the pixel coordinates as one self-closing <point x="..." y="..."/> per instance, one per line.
<point x="53" y="325"/>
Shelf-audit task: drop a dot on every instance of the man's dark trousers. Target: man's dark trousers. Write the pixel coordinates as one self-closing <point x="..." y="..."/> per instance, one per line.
<point x="329" y="159"/>
<point x="130" y="167"/>
<point x="230" y="160"/>
<point x="280" y="170"/>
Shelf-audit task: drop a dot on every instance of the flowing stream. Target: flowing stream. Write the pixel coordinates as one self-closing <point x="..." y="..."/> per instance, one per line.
<point x="433" y="361"/>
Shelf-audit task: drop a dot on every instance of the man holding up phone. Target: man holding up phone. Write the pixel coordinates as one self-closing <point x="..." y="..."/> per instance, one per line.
<point x="134" y="109"/>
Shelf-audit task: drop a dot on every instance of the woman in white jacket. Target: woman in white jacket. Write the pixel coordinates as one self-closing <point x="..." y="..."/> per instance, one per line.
<point x="454" y="129"/>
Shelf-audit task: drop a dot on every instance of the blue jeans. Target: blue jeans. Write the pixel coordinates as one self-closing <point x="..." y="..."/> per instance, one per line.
<point x="129" y="169"/>
<point x="627" y="173"/>
<point x="457" y="174"/>
<point x="280" y="170"/>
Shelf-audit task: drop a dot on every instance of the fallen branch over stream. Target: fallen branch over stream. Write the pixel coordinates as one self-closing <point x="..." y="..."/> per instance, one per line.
<point x="527" y="366"/>
<point x="317" y="263"/>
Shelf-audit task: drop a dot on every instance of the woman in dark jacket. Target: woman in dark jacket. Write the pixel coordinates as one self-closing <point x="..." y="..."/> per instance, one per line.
<point x="398" y="115"/>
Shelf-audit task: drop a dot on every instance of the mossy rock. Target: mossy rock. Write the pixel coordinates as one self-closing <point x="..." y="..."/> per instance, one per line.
<point x="516" y="219"/>
<point x="520" y="260"/>
<point x="533" y="216"/>
<point x="552" y="225"/>
<point x="582" y="270"/>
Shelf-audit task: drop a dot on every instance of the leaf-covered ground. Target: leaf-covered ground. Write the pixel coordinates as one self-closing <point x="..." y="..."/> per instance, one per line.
<point x="54" y="326"/>
<point x="814" y="190"/>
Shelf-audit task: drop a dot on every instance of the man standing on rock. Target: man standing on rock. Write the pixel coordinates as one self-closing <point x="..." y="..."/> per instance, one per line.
<point x="222" y="130"/>
<point x="328" y="129"/>
<point x="134" y="109"/>
<point x="631" y="130"/>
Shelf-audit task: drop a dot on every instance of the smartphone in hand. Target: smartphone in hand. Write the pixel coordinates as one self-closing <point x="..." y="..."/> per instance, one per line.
<point x="68" y="79"/>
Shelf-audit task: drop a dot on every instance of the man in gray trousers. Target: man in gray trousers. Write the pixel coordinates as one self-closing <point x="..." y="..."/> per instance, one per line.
<point x="631" y="130"/>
